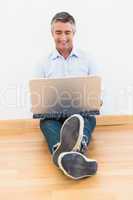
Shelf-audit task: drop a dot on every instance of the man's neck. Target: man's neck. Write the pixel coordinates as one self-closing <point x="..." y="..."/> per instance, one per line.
<point x="66" y="53"/>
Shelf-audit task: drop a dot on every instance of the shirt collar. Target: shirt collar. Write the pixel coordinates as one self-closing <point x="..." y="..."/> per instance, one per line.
<point x="55" y="54"/>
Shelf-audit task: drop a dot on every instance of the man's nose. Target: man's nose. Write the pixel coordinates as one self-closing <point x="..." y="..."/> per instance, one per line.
<point x="63" y="36"/>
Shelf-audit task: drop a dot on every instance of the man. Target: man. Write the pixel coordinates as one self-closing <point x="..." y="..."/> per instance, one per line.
<point x="68" y="138"/>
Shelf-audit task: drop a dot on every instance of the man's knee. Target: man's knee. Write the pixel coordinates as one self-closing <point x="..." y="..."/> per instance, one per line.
<point x="45" y="123"/>
<point x="91" y="120"/>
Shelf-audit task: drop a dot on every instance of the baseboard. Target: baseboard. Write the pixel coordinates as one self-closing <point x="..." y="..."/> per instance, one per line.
<point x="114" y="119"/>
<point x="100" y="120"/>
<point x="34" y="123"/>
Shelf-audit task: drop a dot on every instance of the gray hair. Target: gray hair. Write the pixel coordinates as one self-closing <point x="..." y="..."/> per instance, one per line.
<point x="63" y="17"/>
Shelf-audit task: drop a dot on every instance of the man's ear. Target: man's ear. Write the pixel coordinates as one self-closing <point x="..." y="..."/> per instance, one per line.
<point x="74" y="31"/>
<point x="101" y="102"/>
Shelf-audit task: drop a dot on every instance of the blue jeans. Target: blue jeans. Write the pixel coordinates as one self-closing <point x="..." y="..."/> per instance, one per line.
<point x="51" y="130"/>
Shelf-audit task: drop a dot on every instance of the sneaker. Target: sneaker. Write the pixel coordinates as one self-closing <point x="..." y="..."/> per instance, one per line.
<point x="76" y="166"/>
<point x="71" y="135"/>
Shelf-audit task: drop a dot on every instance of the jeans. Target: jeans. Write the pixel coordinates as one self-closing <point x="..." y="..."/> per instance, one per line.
<point x="51" y="130"/>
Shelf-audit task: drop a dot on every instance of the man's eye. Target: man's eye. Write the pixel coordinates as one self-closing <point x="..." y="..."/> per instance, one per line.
<point x="58" y="32"/>
<point x="68" y="32"/>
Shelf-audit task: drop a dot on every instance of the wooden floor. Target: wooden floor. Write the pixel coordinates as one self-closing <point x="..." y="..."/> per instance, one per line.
<point x="27" y="172"/>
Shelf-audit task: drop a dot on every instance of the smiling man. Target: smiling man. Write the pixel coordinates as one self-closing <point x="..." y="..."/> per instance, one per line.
<point x="68" y="137"/>
<point x="63" y="33"/>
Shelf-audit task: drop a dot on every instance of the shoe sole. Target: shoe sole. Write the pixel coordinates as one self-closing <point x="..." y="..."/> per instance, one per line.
<point x="70" y="140"/>
<point x="77" y="166"/>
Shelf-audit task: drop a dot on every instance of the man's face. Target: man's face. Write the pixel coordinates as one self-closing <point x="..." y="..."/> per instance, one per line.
<point x="63" y="34"/>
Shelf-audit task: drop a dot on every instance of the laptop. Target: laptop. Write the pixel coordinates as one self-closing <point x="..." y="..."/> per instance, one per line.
<point x="69" y="94"/>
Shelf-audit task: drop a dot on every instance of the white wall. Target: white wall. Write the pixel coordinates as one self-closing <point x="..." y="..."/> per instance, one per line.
<point x="104" y="29"/>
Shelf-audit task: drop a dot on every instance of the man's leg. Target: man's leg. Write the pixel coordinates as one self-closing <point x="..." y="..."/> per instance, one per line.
<point x="71" y="135"/>
<point x="51" y="131"/>
<point x="63" y="138"/>
<point x="89" y="125"/>
<point x="74" y="164"/>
